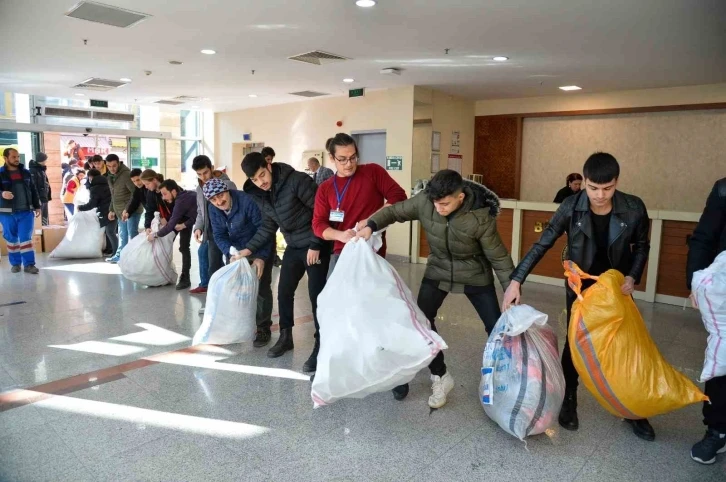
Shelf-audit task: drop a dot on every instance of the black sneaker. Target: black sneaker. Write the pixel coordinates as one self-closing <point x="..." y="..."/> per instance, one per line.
<point x="15" y="269"/>
<point x="311" y="365"/>
<point x="704" y="452"/>
<point x="183" y="284"/>
<point x="31" y="269"/>
<point x="262" y="338"/>
<point x="400" y="392"/>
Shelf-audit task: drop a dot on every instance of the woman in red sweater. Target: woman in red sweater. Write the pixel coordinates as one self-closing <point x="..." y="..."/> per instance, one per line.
<point x="347" y="199"/>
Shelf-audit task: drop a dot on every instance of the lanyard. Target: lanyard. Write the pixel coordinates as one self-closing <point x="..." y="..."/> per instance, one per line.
<point x="338" y="194"/>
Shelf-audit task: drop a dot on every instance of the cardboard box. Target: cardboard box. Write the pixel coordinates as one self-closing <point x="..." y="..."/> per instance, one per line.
<point x="52" y="236"/>
<point x="37" y="244"/>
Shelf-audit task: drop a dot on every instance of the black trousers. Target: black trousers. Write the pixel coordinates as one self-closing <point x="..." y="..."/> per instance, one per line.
<point x="430" y="299"/>
<point x="112" y="237"/>
<point x="264" y="295"/>
<point x="185" y="240"/>
<point x="293" y="269"/>
<point x="571" y="376"/>
<point x="714" y="413"/>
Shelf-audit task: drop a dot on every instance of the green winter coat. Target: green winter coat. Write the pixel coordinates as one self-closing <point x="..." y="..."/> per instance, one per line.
<point x="465" y="246"/>
<point x="122" y="190"/>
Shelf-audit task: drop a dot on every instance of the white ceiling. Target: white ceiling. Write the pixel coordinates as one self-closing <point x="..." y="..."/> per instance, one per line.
<point x="598" y="45"/>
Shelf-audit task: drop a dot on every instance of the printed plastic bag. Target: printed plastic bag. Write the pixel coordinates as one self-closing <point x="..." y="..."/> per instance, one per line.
<point x="373" y="336"/>
<point x="83" y="239"/>
<point x="229" y="315"/>
<point x="149" y="264"/>
<point x="614" y="354"/>
<point x="709" y="287"/>
<point x="522" y="384"/>
<point x="83" y="196"/>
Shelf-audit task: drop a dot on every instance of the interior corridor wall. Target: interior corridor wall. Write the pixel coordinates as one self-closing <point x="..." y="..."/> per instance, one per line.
<point x="292" y="129"/>
<point x="670" y="159"/>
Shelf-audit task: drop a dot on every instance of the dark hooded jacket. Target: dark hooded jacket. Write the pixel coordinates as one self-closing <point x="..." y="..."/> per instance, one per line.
<point x="465" y="245"/>
<point x="100" y="198"/>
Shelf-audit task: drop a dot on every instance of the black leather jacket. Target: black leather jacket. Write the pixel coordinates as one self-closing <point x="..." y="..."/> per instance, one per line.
<point x="709" y="237"/>
<point x="628" y="238"/>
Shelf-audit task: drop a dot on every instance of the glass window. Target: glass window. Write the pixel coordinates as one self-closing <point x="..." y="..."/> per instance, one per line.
<point x="190" y="124"/>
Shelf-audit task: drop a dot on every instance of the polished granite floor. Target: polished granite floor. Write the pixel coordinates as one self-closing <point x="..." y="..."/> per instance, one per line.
<point x="146" y="408"/>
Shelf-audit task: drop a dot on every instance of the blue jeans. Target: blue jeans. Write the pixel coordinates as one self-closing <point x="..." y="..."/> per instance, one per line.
<point x="203" y="253"/>
<point x="123" y="235"/>
<point x="133" y="224"/>
<point x="18" y="234"/>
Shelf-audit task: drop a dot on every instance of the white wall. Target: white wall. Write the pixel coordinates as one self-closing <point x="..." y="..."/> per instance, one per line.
<point x="294" y="128"/>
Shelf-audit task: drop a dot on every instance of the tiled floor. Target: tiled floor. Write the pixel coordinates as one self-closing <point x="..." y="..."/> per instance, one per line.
<point x="234" y="414"/>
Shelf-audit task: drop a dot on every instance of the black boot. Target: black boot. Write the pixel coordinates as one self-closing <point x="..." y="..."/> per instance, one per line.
<point x="184" y="282"/>
<point x="568" y="414"/>
<point x="284" y="343"/>
<point x="400" y="392"/>
<point x="312" y="364"/>
<point x="642" y="429"/>
<point x="262" y="338"/>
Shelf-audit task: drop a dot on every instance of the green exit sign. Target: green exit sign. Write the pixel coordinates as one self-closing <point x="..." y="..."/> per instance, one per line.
<point x="356" y="92"/>
<point x="99" y="103"/>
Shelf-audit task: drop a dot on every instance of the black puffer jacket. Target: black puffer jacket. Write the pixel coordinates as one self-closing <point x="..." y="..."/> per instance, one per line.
<point x="100" y="198"/>
<point x="709" y="237"/>
<point x="627" y="240"/>
<point x="288" y="205"/>
<point x="40" y="180"/>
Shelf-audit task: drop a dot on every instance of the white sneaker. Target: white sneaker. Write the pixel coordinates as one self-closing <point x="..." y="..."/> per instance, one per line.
<point x="441" y="386"/>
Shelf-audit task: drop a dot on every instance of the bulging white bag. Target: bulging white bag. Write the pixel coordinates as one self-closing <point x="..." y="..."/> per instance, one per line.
<point x="83" y="196"/>
<point x="149" y="264"/>
<point x="522" y="384"/>
<point x="709" y="287"/>
<point x="230" y="312"/>
<point x="83" y="239"/>
<point x="373" y="336"/>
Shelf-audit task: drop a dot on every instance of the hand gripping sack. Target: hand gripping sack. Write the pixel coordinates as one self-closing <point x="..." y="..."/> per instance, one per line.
<point x="373" y="336"/>
<point x="149" y="263"/>
<point x="614" y="354"/>
<point x="709" y="287"/>
<point x="522" y="384"/>
<point x="83" y="239"/>
<point x="229" y="315"/>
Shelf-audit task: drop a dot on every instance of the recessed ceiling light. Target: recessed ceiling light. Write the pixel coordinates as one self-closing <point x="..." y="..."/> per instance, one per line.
<point x="205" y="98"/>
<point x="348" y="81"/>
<point x="365" y="3"/>
<point x="208" y="52"/>
<point x="125" y="79"/>
<point x="253" y="95"/>
<point x="501" y="58"/>
<point x="81" y="95"/>
<point x="570" y="87"/>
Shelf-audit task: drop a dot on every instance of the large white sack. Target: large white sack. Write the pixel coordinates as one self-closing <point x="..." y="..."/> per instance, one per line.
<point x="230" y="312"/>
<point x="149" y="263"/>
<point x="83" y="239"/>
<point x="709" y="287"/>
<point x="83" y="195"/>
<point x="522" y="384"/>
<point x="373" y="336"/>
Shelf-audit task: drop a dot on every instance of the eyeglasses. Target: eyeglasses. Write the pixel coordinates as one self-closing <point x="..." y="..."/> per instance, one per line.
<point x="351" y="159"/>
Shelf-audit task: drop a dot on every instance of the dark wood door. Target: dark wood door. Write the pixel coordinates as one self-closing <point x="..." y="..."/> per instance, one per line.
<point x="497" y="153"/>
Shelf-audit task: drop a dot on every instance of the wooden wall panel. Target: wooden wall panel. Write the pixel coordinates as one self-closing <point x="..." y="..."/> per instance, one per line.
<point x="551" y="264"/>
<point x="505" y="224"/>
<point x="673" y="257"/>
<point x="498" y="152"/>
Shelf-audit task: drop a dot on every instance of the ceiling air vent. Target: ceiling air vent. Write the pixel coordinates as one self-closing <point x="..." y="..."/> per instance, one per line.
<point x="308" y="93"/>
<point x="187" y="98"/>
<point x="106" y="14"/>
<point x="100" y="85"/>
<point x="113" y="116"/>
<point x="317" y="57"/>
<point x="170" y="102"/>
<point x="63" y="112"/>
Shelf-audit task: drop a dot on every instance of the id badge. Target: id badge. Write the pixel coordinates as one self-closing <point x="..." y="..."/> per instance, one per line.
<point x="336" y="216"/>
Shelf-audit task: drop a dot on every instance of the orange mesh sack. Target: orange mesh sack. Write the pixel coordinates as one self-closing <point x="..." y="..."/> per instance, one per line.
<point x="614" y="354"/>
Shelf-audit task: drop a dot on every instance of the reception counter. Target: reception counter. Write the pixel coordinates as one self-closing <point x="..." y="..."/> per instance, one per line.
<point x="520" y="224"/>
